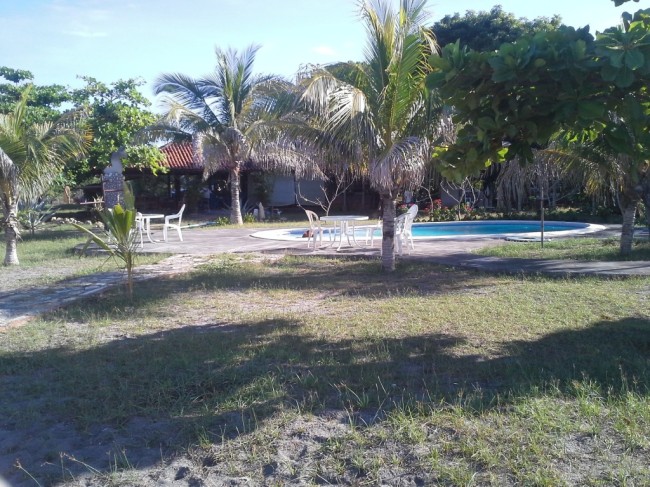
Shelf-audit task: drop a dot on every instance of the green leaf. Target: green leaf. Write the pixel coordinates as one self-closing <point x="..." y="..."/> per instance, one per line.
<point x="438" y="62"/>
<point x="617" y="141"/>
<point x="487" y="123"/>
<point x="616" y="58"/>
<point x="435" y="80"/>
<point x="503" y="74"/>
<point x="625" y="78"/>
<point x="590" y="110"/>
<point x="634" y="59"/>
<point x="609" y="73"/>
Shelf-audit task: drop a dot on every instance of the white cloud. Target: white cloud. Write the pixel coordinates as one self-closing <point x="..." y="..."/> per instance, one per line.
<point x="87" y="34"/>
<point x="324" y="51"/>
<point x="87" y="19"/>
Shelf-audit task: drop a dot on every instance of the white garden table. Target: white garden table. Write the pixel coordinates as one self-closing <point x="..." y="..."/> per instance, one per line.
<point x="146" y="222"/>
<point x="344" y="225"/>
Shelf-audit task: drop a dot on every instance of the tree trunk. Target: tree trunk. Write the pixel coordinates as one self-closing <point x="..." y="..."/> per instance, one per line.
<point x="388" y="234"/>
<point x="627" y="231"/>
<point x="645" y="196"/>
<point x="235" y="205"/>
<point x="629" y="197"/>
<point x="10" y="222"/>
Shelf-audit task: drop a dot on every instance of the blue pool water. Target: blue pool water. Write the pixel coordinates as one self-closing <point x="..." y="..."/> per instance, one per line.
<point x="447" y="229"/>
<point x="495" y="228"/>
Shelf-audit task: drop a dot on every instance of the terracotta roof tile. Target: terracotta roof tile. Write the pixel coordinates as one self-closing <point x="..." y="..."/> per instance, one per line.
<point x="179" y="155"/>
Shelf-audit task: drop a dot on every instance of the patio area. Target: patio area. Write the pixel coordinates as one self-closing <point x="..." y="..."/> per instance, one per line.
<point x="205" y="241"/>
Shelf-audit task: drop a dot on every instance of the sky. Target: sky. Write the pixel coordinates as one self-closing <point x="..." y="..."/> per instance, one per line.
<point x="59" y="40"/>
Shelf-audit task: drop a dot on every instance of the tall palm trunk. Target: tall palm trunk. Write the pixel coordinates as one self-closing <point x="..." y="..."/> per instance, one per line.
<point x="235" y="208"/>
<point x="388" y="233"/>
<point x="10" y="222"/>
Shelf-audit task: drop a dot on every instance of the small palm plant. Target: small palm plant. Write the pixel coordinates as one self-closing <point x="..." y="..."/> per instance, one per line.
<point x="35" y="216"/>
<point x="121" y="239"/>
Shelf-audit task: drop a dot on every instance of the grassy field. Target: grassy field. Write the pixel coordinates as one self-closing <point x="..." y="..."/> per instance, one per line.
<point x="310" y="371"/>
<point x="48" y="256"/>
<point x="589" y="249"/>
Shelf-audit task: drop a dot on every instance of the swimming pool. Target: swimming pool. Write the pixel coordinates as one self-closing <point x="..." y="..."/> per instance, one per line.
<point x="464" y="229"/>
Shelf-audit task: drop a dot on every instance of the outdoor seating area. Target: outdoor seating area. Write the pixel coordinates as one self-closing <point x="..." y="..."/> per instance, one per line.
<point x="346" y="228"/>
<point x="173" y="222"/>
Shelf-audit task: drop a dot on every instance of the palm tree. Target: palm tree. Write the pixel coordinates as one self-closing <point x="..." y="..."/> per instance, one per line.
<point x="380" y="107"/>
<point x="605" y="170"/>
<point x="228" y="113"/>
<point x="30" y="156"/>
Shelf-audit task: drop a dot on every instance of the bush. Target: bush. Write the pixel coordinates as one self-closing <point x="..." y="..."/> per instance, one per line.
<point x="439" y="213"/>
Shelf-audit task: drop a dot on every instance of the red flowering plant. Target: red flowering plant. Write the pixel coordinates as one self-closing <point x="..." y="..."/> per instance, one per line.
<point x="402" y="208"/>
<point x="440" y="213"/>
<point x="469" y="212"/>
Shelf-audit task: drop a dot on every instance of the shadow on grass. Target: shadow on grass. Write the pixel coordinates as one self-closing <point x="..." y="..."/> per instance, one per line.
<point x="162" y="391"/>
<point x="358" y="278"/>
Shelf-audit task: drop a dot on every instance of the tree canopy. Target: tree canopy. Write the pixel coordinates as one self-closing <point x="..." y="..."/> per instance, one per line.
<point x="44" y="103"/>
<point x="116" y="113"/>
<point x="487" y="30"/>
<point x="513" y="100"/>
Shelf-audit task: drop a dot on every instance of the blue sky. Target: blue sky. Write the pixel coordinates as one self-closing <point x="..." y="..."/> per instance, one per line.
<point x="113" y="39"/>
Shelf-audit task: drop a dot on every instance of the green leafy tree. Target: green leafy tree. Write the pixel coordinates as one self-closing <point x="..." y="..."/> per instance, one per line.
<point x="43" y="102"/>
<point x="380" y="108"/>
<point x="31" y="154"/>
<point x="513" y="100"/>
<point x="486" y="31"/>
<point x="117" y="114"/>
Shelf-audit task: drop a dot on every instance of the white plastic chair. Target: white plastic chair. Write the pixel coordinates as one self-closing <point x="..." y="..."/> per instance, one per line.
<point x="403" y="229"/>
<point x="370" y="232"/>
<point x="176" y="226"/>
<point x="315" y="229"/>
<point x="139" y="227"/>
<point x="410" y="214"/>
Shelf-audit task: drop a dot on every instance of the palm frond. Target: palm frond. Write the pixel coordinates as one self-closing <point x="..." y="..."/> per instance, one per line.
<point x="34" y="153"/>
<point x="401" y="165"/>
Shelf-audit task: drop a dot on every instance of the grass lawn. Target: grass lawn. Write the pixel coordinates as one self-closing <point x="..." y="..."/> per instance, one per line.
<point x="311" y="371"/>
<point x="570" y="248"/>
<point x="48" y="256"/>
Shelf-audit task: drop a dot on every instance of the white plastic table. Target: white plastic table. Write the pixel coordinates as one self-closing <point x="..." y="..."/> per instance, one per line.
<point x="345" y="225"/>
<point x="146" y="222"/>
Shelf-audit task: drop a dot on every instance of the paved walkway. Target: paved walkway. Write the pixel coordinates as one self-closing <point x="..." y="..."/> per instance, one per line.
<point x="18" y="307"/>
